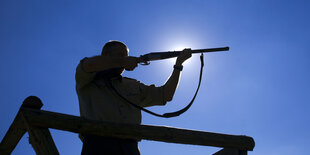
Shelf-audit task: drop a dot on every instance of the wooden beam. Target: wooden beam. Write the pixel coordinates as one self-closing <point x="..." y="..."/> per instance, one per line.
<point x="46" y="119"/>
<point x="17" y="129"/>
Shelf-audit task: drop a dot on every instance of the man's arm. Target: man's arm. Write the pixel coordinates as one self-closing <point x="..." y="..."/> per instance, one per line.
<point x="99" y="63"/>
<point x="172" y="83"/>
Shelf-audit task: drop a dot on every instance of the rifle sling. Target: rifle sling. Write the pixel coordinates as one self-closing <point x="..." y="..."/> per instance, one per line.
<point x="166" y="115"/>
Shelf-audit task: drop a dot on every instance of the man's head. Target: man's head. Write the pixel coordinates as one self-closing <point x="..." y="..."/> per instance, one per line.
<point x="115" y="48"/>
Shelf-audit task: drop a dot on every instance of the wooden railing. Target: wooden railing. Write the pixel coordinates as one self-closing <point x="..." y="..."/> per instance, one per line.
<point x="36" y="122"/>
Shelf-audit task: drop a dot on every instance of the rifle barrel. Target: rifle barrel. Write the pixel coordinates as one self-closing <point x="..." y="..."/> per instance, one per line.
<point x="170" y="54"/>
<point x="211" y="50"/>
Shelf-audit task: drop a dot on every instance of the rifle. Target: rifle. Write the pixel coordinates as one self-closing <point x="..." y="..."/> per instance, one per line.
<point x="144" y="60"/>
<point x="170" y="54"/>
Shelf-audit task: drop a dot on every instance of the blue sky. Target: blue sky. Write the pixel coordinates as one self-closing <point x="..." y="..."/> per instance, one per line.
<point x="259" y="88"/>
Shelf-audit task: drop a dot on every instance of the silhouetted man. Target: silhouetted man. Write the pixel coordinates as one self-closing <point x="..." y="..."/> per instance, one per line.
<point x="98" y="101"/>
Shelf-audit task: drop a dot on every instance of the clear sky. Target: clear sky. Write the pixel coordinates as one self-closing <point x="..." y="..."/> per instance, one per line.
<point x="259" y="88"/>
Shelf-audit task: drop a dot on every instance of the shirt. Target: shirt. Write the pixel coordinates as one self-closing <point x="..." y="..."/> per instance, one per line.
<point x="99" y="102"/>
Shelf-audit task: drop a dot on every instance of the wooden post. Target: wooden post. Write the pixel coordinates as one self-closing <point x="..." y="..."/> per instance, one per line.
<point x="20" y="126"/>
<point x="17" y="129"/>
<point x="13" y="136"/>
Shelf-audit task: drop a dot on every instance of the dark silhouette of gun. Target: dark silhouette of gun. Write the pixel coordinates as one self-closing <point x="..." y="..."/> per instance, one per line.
<point x="145" y="59"/>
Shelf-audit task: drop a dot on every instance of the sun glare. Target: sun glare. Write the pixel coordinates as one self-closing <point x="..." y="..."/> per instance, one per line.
<point x="180" y="47"/>
<point x="175" y="43"/>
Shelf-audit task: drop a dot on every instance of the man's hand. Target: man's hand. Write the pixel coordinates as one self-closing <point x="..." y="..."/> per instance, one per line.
<point x="130" y="63"/>
<point x="184" y="55"/>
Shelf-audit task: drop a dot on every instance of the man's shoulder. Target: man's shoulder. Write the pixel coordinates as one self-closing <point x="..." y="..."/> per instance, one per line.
<point x="79" y="66"/>
<point x="127" y="79"/>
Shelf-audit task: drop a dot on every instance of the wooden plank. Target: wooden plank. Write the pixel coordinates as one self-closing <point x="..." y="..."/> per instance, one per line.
<point x="17" y="129"/>
<point x="41" y="140"/>
<point x="76" y="124"/>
